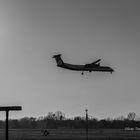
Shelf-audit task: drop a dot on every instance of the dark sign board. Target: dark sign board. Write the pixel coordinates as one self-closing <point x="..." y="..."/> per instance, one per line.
<point x="10" y="108"/>
<point x="7" y="109"/>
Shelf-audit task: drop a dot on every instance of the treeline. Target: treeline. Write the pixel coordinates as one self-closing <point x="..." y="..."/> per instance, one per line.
<point x="58" y="120"/>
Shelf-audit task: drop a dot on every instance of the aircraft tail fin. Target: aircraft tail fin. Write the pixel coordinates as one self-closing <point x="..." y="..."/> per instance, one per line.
<point x="58" y="59"/>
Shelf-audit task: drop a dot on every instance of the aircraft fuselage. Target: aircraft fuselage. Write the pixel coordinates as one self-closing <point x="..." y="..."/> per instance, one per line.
<point x="83" y="68"/>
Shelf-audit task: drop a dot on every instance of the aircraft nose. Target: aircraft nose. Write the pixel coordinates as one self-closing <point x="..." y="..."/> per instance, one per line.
<point x="112" y="70"/>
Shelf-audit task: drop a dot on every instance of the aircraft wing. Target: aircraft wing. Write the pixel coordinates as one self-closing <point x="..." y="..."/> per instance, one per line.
<point x="93" y="64"/>
<point x="96" y="61"/>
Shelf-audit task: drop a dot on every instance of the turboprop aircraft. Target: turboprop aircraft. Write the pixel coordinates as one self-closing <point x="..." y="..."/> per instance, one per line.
<point x="95" y="66"/>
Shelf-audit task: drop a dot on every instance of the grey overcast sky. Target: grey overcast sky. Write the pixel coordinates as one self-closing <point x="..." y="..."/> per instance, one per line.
<point x="31" y="31"/>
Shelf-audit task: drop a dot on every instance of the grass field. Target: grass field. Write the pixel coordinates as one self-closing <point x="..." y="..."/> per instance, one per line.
<point x="71" y="134"/>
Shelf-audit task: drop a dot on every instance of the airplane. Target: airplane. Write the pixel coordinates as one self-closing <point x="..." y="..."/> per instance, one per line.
<point x="95" y="66"/>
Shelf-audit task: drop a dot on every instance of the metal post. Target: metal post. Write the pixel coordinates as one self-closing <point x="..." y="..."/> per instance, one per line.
<point x="6" y="126"/>
<point x="86" y="124"/>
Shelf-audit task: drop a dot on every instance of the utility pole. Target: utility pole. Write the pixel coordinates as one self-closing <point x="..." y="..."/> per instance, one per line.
<point x="86" y="124"/>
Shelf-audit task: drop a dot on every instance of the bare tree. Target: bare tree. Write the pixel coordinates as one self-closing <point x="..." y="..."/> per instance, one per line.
<point x="131" y="116"/>
<point x="59" y="115"/>
<point x="51" y="116"/>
